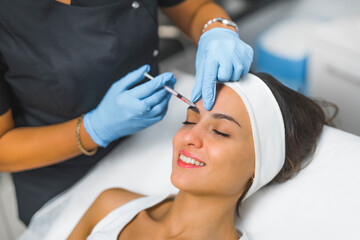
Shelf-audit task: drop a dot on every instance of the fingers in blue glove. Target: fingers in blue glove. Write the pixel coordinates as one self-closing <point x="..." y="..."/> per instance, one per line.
<point x="225" y="70"/>
<point x="234" y="59"/>
<point x="209" y="83"/>
<point x="138" y="107"/>
<point x="248" y="59"/>
<point x="196" y="92"/>
<point x="156" y="98"/>
<point x="159" y="100"/>
<point x="131" y="78"/>
<point x="160" y="109"/>
<point x="238" y="71"/>
<point x="148" y="88"/>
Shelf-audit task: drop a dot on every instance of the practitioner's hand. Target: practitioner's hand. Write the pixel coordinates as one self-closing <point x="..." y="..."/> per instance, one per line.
<point x="124" y="111"/>
<point x="222" y="56"/>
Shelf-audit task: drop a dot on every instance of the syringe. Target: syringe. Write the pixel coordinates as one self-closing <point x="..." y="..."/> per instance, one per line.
<point x="173" y="92"/>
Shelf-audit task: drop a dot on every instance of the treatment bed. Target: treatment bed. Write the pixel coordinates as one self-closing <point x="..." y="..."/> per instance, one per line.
<point x="321" y="202"/>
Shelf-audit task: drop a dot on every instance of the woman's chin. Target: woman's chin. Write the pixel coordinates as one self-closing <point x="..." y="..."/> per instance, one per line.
<point x="181" y="182"/>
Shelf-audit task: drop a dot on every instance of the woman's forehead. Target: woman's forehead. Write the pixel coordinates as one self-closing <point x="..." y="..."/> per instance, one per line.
<point x="227" y="102"/>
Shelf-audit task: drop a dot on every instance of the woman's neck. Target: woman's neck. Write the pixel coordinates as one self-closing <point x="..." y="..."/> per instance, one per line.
<point x="199" y="217"/>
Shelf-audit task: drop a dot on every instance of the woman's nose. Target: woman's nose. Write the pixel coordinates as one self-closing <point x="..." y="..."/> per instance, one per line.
<point x="193" y="137"/>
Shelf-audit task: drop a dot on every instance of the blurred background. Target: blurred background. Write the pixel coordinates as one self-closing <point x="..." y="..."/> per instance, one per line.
<point x="312" y="46"/>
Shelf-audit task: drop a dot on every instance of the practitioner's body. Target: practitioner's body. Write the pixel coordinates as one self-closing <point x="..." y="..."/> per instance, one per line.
<point x="60" y="59"/>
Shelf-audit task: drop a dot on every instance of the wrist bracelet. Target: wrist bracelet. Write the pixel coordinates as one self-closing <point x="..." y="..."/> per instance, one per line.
<point x="78" y="140"/>
<point x="224" y="21"/>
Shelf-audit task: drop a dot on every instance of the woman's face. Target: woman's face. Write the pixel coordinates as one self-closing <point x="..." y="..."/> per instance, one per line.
<point x="221" y="142"/>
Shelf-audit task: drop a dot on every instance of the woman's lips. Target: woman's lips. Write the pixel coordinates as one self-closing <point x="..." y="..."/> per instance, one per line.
<point x="187" y="154"/>
<point x="187" y="160"/>
<point x="182" y="164"/>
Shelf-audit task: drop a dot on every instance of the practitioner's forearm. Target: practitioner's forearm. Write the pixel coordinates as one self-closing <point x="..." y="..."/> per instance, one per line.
<point x="33" y="147"/>
<point x="191" y="16"/>
<point x="206" y="13"/>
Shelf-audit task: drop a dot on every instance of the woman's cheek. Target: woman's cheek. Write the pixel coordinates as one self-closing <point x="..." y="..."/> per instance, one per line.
<point x="216" y="151"/>
<point x="222" y="152"/>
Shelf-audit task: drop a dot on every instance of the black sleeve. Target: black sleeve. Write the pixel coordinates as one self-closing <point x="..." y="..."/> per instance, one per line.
<point x="4" y="91"/>
<point x="169" y="3"/>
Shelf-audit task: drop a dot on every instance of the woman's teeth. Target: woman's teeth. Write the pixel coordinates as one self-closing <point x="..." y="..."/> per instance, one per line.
<point x="191" y="161"/>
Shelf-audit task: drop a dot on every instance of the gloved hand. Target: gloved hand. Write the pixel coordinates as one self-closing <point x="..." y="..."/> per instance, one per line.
<point x="222" y="56"/>
<point x="124" y="111"/>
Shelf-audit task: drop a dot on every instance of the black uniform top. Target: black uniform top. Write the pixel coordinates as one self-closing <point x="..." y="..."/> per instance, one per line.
<point x="57" y="62"/>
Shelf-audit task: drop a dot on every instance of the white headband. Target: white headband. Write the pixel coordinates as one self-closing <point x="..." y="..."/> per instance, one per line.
<point x="267" y="127"/>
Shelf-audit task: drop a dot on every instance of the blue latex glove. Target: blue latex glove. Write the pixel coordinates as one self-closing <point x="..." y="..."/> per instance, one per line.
<point x="222" y="56"/>
<point x="124" y="111"/>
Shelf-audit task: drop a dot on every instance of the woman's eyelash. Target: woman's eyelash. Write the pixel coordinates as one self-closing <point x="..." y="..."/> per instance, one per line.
<point x="187" y="123"/>
<point x="215" y="131"/>
<point x="221" y="134"/>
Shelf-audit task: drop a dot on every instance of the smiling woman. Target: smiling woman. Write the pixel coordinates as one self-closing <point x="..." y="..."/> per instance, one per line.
<point x="257" y="132"/>
<point x="222" y="139"/>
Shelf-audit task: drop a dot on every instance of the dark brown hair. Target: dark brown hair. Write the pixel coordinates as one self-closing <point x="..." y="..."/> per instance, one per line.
<point x="303" y="119"/>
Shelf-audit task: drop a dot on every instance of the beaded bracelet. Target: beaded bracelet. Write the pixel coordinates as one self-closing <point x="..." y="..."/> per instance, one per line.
<point x="224" y="21"/>
<point x="78" y="140"/>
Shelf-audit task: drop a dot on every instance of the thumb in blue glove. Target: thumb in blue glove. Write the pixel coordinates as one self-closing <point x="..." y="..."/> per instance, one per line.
<point x="222" y="56"/>
<point x="124" y="111"/>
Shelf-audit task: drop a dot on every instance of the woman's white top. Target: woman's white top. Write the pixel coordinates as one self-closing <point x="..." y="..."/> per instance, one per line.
<point x="112" y="224"/>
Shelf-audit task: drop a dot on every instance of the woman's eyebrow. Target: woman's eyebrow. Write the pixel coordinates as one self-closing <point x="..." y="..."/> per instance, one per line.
<point x="216" y="115"/>
<point x="227" y="117"/>
<point x="194" y="109"/>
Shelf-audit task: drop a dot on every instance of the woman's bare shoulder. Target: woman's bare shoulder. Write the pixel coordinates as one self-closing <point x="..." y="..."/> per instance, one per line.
<point x="112" y="198"/>
<point x="106" y="202"/>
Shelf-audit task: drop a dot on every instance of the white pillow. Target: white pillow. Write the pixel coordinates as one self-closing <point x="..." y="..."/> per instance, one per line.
<point x="320" y="203"/>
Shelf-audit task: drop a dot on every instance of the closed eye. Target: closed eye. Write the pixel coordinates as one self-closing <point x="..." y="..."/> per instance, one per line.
<point x="221" y="133"/>
<point x="188" y="123"/>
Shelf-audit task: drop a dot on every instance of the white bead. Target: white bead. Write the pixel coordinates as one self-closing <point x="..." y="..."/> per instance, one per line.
<point x="155" y="53"/>
<point x="135" y="5"/>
